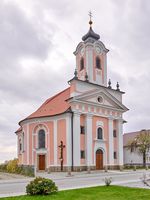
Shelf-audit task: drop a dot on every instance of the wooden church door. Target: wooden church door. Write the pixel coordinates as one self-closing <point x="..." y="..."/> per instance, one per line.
<point x="99" y="159"/>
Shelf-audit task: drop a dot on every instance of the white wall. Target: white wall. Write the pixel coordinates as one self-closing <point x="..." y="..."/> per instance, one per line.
<point x="133" y="157"/>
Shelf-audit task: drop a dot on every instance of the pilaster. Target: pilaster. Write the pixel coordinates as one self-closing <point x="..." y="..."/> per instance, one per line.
<point x="120" y="141"/>
<point x="76" y="139"/>
<point x="111" y="145"/>
<point x="55" y="143"/>
<point x="89" y="140"/>
<point x="68" y="134"/>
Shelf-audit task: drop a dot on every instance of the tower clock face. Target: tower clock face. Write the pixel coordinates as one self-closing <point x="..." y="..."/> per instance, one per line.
<point x="98" y="50"/>
<point x="82" y="51"/>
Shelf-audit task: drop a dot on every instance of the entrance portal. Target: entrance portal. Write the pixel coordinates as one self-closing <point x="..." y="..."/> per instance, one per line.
<point x="99" y="159"/>
<point x="41" y="162"/>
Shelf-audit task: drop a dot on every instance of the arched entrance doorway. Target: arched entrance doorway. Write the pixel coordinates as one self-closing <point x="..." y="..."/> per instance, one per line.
<point x="99" y="159"/>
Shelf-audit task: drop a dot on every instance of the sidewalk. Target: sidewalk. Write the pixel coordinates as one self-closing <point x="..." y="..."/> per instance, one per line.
<point x="102" y="173"/>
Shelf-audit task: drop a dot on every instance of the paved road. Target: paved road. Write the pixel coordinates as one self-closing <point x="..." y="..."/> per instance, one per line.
<point x="78" y="180"/>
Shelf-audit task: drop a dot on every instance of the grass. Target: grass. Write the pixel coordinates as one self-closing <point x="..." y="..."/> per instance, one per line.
<point x="94" y="193"/>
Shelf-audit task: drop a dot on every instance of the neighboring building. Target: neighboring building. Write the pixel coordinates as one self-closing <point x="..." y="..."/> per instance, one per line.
<point x="132" y="156"/>
<point x="86" y="118"/>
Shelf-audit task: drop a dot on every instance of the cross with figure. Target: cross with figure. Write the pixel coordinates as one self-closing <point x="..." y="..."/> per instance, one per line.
<point x="61" y="146"/>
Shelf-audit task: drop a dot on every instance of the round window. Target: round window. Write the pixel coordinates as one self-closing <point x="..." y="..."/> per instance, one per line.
<point x="100" y="99"/>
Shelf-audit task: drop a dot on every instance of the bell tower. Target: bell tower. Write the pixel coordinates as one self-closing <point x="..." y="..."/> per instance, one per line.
<point x="91" y="58"/>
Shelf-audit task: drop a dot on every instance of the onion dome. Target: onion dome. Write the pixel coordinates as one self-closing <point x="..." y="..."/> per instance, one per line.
<point x="91" y="34"/>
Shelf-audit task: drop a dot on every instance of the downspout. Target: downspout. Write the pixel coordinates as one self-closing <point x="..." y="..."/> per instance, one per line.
<point x="72" y="140"/>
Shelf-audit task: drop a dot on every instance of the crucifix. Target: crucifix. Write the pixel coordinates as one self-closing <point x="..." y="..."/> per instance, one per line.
<point x="61" y="146"/>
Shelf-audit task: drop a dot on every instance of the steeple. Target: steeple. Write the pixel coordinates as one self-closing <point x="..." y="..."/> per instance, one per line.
<point x="91" y="58"/>
<point x="90" y="33"/>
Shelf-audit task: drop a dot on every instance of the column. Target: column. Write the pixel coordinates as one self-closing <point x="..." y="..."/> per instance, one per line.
<point x="120" y="141"/>
<point x="111" y="145"/>
<point x="89" y="140"/>
<point x="76" y="139"/>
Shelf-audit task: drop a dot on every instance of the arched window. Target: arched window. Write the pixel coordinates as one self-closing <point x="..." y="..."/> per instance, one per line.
<point x="100" y="133"/>
<point x="81" y="63"/>
<point x="98" y="63"/>
<point x="41" y="138"/>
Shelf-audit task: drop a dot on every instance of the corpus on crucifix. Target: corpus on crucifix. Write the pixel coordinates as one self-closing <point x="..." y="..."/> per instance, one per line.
<point x="61" y="146"/>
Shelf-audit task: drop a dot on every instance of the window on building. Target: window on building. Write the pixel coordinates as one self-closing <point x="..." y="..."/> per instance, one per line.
<point x="82" y="64"/>
<point x="20" y="145"/>
<point x="22" y="141"/>
<point x="115" y="155"/>
<point x="100" y="133"/>
<point x="82" y="129"/>
<point x="114" y="133"/>
<point x="132" y="148"/>
<point x="82" y="154"/>
<point x="98" y="63"/>
<point x="41" y="138"/>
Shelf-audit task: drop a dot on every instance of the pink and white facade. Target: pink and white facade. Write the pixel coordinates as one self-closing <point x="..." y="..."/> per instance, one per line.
<point x="87" y="117"/>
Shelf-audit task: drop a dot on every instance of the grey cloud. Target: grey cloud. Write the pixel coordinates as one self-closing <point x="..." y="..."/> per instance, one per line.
<point x="19" y="37"/>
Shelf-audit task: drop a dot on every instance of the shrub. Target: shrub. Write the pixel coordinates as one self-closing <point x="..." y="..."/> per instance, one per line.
<point x="108" y="181"/>
<point x="41" y="186"/>
<point x="12" y="166"/>
<point x="3" y="167"/>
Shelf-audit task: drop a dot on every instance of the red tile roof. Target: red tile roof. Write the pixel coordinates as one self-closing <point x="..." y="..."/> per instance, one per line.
<point x="18" y="130"/>
<point x="53" y="106"/>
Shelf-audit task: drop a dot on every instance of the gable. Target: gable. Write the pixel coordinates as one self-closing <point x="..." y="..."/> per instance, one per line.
<point x="101" y="98"/>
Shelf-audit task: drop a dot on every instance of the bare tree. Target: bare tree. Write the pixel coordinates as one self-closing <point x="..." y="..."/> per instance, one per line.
<point x="141" y="143"/>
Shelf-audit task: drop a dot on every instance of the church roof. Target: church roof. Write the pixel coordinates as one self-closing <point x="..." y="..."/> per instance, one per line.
<point x="91" y="34"/>
<point x="18" y="130"/>
<point x="53" y="106"/>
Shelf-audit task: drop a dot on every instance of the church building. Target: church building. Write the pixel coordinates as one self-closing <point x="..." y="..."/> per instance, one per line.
<point x="80" y="128"/>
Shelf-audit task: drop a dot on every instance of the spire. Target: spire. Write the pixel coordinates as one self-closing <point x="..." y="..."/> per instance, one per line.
<point x="91" y="33"/>
<point x="109" y="84"/>
<point x="75" y="74"/>
<point x="90" y="22"/>
<point x="86" y="77"/>
<point x="117" y="86"/>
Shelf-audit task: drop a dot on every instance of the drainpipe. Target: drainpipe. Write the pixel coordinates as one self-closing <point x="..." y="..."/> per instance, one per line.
<point x="72" y="139"/>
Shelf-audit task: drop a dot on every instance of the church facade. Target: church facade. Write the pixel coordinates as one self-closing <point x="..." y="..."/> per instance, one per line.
<point x="80" y="128"/>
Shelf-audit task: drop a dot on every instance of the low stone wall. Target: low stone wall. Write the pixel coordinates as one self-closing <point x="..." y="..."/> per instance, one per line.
<point x="27" y="170"/>
<point x="82" y="168"/>
<point x="114" y="167"/>
<point x="66" y="168"/>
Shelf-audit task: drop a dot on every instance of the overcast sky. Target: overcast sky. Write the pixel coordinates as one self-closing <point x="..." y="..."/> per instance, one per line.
<point x="37" y="40"/>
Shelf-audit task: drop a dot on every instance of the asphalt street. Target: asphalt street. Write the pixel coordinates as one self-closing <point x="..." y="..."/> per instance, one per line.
<point x="77" y="180"/>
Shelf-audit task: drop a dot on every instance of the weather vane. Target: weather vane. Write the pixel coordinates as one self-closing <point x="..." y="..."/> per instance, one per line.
<point x="90" y="15"/>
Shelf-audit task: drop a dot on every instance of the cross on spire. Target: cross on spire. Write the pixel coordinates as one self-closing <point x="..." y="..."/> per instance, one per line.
<point x="90" y="15"/>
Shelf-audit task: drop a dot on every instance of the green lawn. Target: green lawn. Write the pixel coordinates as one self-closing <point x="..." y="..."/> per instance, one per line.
<point x="94" y="193"/>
